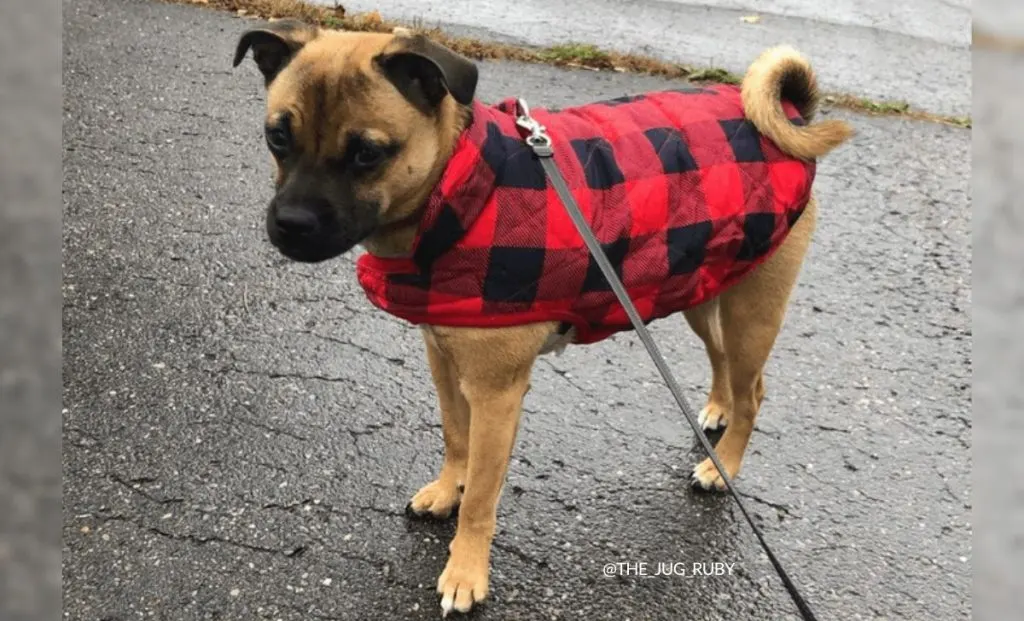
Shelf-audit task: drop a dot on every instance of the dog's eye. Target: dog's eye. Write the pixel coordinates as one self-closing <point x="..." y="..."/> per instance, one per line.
<point x="279" y="139"/>
<point x="368" y="155"/>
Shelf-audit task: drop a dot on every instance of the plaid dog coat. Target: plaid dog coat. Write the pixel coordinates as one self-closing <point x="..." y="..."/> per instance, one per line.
<point x="684" y="194"/>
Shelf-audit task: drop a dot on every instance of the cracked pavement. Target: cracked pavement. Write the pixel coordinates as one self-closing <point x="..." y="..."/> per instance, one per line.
<point x="241" y="434"/>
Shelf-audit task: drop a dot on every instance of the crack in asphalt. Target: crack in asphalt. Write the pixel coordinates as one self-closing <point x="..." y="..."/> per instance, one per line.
<point x="201" y="540"/>
<point x="371" y="428"/>
<point x="361" y="348"/>
<point x="130" y="485"/>
<point x="274" y="375"/>
<point x="564" y="374"/>
<point x="523" y="556"/>
<point x="255" y="424"/>
<point x="779" y="507"/>
<point x="164" y="281"/>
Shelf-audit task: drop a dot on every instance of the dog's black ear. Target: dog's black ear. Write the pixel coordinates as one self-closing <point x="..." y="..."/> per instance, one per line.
<point x="274" y="45"/>
<point x="425" y="71"/>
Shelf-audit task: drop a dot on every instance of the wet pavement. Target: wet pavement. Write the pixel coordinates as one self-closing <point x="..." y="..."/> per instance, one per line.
<point x="241" y="434"/>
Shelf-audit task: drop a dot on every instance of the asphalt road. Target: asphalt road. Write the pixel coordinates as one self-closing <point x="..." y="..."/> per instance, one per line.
<point x="914" y="50"/>
<point x="241" y="434"/>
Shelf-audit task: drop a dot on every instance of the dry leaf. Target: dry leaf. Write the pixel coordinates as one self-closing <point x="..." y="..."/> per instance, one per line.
<point x="751" y="19"/>
<point x="373" y="19"/>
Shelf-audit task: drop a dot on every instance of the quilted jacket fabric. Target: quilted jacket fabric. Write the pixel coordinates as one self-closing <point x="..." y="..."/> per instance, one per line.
<point x="684" y="194"/>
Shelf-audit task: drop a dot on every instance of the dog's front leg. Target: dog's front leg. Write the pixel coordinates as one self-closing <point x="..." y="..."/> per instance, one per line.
<point x="439" y="497"/>
<point x="493" y="368"/>
<point x="493" y="423"/>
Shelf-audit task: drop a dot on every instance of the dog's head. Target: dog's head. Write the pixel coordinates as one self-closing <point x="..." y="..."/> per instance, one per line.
<point x="360" y="126"/>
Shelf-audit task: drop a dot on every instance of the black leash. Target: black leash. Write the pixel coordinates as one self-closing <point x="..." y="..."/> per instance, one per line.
<point x="540" y="142"/>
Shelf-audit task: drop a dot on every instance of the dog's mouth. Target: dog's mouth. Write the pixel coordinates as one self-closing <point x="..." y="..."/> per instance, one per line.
<point x="310" y="253"/>
<point x="313" y="234"/>
<point x="311" y="249"/>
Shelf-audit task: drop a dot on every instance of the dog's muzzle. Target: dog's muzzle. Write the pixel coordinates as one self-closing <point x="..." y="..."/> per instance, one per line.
<point x="304" y="232"/>
<point x="314" y="230"/>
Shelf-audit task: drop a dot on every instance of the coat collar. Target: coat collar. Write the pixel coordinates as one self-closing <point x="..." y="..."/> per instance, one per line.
<point x="468" y="181"/>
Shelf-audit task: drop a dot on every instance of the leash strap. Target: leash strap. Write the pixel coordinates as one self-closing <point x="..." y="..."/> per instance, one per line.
<point x="540" y="142"/>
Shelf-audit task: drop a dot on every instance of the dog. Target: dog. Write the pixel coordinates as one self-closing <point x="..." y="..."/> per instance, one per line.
<point x="378" y="141"/>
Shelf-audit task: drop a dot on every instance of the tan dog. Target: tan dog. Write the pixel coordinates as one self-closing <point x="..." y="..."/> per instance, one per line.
<point x="361" y="127"/>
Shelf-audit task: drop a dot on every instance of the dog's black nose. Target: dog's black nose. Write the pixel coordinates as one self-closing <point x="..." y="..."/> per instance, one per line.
<point x="293" y="221"/>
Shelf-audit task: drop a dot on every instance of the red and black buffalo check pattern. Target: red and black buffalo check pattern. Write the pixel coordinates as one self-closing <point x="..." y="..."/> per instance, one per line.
<point x="683" y="192"/>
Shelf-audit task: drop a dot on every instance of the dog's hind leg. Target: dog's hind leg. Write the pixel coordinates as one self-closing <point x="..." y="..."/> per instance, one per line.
<point x="751" y="314"/>
<point x="706" y="322"/>
<point x="438" y="498"/>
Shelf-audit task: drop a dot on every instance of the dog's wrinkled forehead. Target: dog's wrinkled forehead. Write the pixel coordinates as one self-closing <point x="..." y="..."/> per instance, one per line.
<point x="325" y="87"/>
<point x="332" y="87"/>
<point x="424" y="72"/>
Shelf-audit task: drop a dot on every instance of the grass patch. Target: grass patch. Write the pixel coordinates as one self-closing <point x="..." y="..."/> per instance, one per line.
<point x="885" y="107"/>
<point x="714" y="74"/>
<point x="582" y="54"/>
<point x="893" y="108"/>
<point x="566" y="55"/>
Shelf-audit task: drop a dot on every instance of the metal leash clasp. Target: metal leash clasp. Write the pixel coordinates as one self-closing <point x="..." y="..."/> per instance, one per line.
<point x="538" y="138"/>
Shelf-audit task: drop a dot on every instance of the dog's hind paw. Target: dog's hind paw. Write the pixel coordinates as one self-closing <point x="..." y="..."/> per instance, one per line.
<point x="705" y="476"/>
<point x="436" y="499"/>
<point x="713" y="417"/>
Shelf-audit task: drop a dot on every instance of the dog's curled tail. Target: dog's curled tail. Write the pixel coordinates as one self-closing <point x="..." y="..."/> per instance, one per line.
<point x="783" y="73"/>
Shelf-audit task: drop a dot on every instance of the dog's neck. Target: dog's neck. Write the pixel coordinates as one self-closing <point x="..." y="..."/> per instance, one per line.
<point x="395" y="238"/>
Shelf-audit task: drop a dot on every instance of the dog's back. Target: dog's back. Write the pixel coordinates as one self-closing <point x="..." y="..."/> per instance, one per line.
<point x="685" y="192"/>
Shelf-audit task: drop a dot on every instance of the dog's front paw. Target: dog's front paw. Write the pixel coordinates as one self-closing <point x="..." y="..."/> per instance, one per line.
<point x="713" y="417"/>
<point x="436" y="499"/>
<point x="464" y="580"/>
<point x="705" y="475"/>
